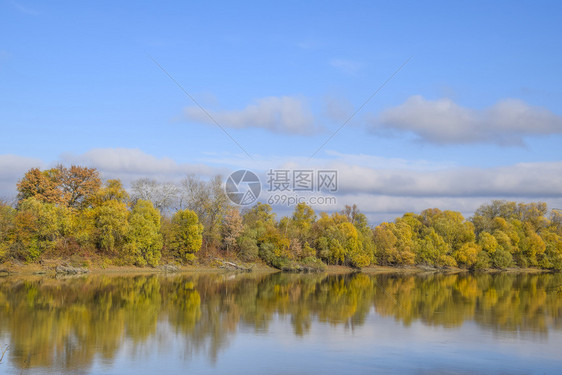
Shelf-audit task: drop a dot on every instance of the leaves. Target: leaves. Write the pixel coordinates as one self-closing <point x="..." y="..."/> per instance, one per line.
<point x="62" y="206"/>
<point x="185" y="235"/>
<point x="71" y="187"/>
<point x="111" y="225"/>
<point x="144" y="240"/>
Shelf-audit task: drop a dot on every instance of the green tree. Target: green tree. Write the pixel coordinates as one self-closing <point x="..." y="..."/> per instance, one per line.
<point x="249" y="249"/>
<point x="261" y="229"/>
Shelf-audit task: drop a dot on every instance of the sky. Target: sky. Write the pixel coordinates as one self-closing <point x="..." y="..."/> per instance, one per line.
<point x="414" y="104"/>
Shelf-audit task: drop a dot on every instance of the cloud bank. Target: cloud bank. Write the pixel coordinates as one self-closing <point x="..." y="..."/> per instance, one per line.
<point x="532" y="180"/>
<point x="285" y="115"/>
<point x="12" y="168"/>
<point x="129" y="164"/>
<point x="383" y="188"/>
<point x="445" y="122"/>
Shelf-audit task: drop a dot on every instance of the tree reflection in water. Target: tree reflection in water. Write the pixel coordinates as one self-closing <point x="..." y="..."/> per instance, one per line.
<point x="66" y="324"/>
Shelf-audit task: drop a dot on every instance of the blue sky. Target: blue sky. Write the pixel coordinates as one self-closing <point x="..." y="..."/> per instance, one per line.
<point x="473" y="116"/>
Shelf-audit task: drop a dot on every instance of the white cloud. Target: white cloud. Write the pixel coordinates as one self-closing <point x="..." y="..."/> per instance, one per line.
<point x="337" y="109"/>
<point x="383" y="163"/>
<point x="122" y="163"/>
<point x="384" y="194"/>
<point x="371" y="174"/>
<point x="523" y="180"/>
<point x="382" y="188"/>
<point x="286" y="114"/>
<point x="12" y="168"/>
<point x="129" y="164"/>
<point x="445" y="122"/>
<point x="385" y="188"/>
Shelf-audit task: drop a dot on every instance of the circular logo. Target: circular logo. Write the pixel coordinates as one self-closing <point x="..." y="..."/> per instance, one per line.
<point x="243" y="187"/>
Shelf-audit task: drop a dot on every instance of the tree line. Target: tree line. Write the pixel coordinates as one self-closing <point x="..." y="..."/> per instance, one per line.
<point x="62" y="212"/>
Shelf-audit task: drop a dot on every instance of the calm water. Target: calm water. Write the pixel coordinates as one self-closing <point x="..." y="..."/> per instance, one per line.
<point x="282" y="324"/>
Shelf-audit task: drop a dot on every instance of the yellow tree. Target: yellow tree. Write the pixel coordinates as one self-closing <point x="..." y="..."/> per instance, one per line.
<point x="552" y="257"/>
<point x="111" y="225"/>
<point x="303" y="218"/>
<point x="532" y="244"/>
<point x="394" y="243"/>
<point x="341" y="242"/>
<point x="112" y="191"/>
<point x="385" y="244"/>
<point x="7" y="215"/>
<point x="492" y="245"/>
<point x="38" y="226"/>
<point x="433" y="250"/>
<point x="186" y="235"/>
<point x="467" y="255"/>
<point x="144" y="240"/>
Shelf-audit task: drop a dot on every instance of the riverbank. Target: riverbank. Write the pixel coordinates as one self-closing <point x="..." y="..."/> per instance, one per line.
<point x="49" y="268"/>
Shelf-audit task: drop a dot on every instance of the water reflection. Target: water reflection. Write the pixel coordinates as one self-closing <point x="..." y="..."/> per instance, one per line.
<point x="69" y="324"/>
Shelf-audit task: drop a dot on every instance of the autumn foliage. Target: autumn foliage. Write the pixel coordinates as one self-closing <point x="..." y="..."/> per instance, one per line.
<point x="63" y="211"/>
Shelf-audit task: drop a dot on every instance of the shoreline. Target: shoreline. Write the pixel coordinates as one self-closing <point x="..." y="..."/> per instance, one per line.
<point x="48" y="268"/>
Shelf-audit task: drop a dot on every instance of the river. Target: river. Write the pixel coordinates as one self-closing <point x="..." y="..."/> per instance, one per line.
<point x="282" y="324"/>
